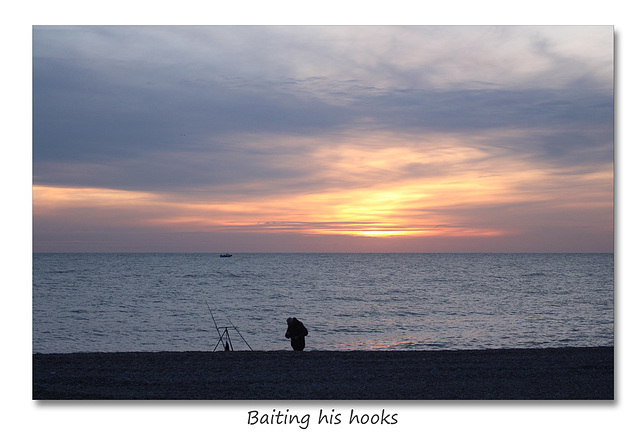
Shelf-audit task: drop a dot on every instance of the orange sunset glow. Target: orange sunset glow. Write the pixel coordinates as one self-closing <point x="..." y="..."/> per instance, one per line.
<point x="343" y="161"/>
<point x="389" y="206"/>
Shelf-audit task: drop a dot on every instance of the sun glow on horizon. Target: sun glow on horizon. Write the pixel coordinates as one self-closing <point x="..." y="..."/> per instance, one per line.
<point x="323" y="139"/>
<point x="373" y="188"/>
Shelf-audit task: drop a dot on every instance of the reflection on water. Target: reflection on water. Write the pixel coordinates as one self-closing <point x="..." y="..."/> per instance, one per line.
<point x="151" y="302"/>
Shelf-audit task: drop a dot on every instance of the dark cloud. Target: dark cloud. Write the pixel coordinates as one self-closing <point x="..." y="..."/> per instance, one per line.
<point x="472" y="110"/>
<point x="81" y="113"/>
<point x="95" y="113"/>
<point x="220" y="114"/>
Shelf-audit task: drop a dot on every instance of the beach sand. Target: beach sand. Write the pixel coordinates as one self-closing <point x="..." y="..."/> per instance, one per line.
<point x="505" y="374"/>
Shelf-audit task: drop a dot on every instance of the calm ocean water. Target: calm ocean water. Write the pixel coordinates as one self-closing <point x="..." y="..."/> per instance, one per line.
<point x="156" y="302"/>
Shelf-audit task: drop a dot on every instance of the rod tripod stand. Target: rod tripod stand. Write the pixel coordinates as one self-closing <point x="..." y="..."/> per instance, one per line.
<point x="227" y="343"/>
<point x="225" y="338"/>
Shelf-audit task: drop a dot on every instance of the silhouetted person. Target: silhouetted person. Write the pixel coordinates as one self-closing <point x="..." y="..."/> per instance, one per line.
<point x="296" y="331"/>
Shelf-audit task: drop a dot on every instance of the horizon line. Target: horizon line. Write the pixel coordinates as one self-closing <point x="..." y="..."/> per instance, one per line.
<point x="324" y="252"/>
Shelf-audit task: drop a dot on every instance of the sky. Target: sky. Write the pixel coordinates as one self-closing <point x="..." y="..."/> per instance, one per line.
<point x="323" y="139"/>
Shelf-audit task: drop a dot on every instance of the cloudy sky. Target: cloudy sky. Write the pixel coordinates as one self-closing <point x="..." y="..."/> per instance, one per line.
<point x="323" y="139"/>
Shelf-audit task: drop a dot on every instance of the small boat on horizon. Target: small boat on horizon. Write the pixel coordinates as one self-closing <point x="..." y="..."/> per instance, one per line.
<point x="225" y="255"/>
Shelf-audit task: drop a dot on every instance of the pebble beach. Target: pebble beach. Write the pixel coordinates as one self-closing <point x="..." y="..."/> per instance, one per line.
<point x="500" y="374"/>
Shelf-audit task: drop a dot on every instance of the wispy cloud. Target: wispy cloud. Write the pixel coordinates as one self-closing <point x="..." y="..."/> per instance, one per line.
<point x="404" y="131"/>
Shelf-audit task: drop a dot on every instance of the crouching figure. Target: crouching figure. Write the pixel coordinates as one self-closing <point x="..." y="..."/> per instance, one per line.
<point x="296" y="332"/>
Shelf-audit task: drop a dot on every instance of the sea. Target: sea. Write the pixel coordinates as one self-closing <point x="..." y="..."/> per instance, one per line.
<point x="187" y="302"/>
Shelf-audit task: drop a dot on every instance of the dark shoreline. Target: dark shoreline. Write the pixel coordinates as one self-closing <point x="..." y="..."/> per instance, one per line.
<point x="497" y="374"/>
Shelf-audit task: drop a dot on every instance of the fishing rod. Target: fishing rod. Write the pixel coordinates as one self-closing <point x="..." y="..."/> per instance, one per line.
<point x="214" y="320"/>
<point x="238" y="331"/>
<point x="226" y="332"/>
